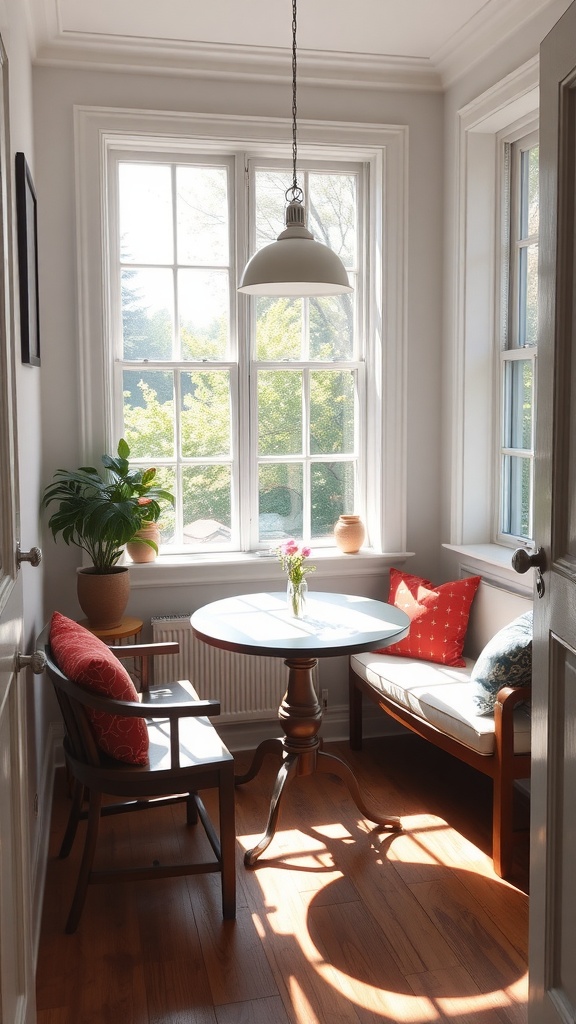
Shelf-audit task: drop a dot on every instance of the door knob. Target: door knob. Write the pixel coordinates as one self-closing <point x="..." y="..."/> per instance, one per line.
<point x="35" y="661"/>
<point x="522" y="560"/>
<point x="34" y="556"/>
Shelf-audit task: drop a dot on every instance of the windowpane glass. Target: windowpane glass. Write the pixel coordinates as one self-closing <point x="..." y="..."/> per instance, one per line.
<point x="166" y="478"/>
<point x="332" y="487"/>
<point x="517" y="473"/>
<point x="332" y="420"/>
<point x="205" y="413"/>
<point x="278" y="328"/>
<point x="270" y="187"/>
<point x="279" y="412"/>
<point x="202" y="215"/>
<point x="530" y="192"/>
<point x="149" y="413"/>
<point x="145" y="213"/>
<point x="147" y="314"/>
<point x="207" y="505"/>
<point x="528" y="296"/>
<point x="280" y="501"/>
<point x="332" y="215"/>
<point x="332" y="326"/>
<point x="519" y="399"/>
<point x="204" y="313"/>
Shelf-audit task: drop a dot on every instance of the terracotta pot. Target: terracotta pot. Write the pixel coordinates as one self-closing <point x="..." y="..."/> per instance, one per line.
<point x="349" y="534"/>
<point x="140" y="552"/>
<point x="103" y="597"/>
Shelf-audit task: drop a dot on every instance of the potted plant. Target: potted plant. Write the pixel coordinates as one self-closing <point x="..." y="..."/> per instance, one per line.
<point x="100" y="514"/>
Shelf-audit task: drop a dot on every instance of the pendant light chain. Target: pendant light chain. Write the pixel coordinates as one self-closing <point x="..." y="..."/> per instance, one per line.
<point x="295" y="192"/>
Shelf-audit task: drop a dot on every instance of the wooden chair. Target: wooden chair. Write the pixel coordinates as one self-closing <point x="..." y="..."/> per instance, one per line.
<point x="186" y="755"/>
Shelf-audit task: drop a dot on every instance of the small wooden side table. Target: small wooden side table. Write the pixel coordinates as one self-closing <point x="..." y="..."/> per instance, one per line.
<point x="128" y="629"/>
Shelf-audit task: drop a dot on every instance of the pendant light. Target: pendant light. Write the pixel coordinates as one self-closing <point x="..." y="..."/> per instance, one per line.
<point x="295" y="264"/>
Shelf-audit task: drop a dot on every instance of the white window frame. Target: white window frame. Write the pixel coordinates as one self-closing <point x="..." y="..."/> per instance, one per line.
<point x="384" y="148"/>
<point x="509" y="215"/>
<point x="473" y="370"/>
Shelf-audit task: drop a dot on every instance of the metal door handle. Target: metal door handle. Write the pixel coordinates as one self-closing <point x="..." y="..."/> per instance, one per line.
<point x="34" y="556"/>
<point x="35" y="661"/>
<point x="522" y="560"/>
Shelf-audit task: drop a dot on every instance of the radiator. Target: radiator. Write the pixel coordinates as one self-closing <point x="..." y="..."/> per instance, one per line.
<point x="248" y="687"/>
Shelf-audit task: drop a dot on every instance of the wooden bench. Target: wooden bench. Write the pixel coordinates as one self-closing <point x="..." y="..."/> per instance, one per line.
<point x="442" y="711"/>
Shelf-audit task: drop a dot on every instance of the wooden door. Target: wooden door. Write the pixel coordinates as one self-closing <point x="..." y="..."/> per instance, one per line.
<point x="17" y="1001"/>
<point x="553" y="871"/>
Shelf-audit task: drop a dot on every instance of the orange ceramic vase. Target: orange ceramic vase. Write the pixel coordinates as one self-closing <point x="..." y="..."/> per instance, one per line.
<point x="349" y="534"/>
<point x="140" y="552"/>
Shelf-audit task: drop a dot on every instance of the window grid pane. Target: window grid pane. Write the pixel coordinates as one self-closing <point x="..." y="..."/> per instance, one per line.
<point x="311" y="410"/>
<point x="180" y="374"/>
<point x="520" y="204"/>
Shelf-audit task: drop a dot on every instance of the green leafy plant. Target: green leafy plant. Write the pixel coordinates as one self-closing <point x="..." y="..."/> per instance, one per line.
<point x="101" y="513"/>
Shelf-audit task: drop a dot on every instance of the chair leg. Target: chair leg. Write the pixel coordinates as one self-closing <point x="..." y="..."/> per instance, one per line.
<point x="95" y="803"/>
<point x="228" y="841"/>
<point x="191" y="810"/>
<point x="73" y="819"/>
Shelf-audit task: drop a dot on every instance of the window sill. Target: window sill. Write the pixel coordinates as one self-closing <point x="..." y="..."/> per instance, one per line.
<point x="222" y="568"/>
<point x="493" y="562"/>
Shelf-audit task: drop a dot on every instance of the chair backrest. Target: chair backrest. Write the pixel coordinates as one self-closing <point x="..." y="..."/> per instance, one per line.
<point x="73" y="701"/>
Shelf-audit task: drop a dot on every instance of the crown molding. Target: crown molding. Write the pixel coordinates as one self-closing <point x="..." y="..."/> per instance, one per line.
<point x="495" y="22"/>
<point x="237" y="62"/>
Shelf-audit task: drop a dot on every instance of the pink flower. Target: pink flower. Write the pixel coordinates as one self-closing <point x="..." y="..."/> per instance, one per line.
<point x="292" y="559"/>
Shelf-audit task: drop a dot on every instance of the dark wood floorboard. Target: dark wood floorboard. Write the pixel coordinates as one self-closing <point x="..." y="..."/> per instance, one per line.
<point x="339" y="923"/>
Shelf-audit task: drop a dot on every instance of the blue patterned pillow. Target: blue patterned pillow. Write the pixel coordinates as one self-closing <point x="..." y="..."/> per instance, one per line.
<point x="505" y="661"/>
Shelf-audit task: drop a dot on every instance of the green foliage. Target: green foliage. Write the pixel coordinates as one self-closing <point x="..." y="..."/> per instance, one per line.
<point x="99" y="514"/>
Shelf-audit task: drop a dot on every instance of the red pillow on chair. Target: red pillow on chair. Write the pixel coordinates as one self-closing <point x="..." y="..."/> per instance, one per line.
<point x="439" y="617"/>
<point x="86" y="660"/>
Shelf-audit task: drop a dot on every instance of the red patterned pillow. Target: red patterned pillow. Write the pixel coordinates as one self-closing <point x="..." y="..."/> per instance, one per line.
<point x="439" y="617"/>
<point x="84" y="658"/>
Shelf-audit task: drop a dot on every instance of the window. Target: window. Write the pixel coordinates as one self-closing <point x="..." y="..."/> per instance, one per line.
<point x="492" y="378"/>
<point x="253" y="411"/>
<point x="216" y="359"/>
<point x="520" y="324"/>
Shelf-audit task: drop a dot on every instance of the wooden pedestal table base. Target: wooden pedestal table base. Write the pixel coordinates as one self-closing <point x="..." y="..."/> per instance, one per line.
<point x="300" y="715"/>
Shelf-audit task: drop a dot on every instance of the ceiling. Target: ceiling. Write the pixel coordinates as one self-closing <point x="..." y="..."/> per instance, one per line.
<point x="428" y="39"/>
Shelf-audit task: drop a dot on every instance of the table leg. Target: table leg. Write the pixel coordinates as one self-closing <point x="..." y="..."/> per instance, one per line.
<point x="300" y="716"/>
<point x="287" y="771"/>
<point x="270" y="746"/>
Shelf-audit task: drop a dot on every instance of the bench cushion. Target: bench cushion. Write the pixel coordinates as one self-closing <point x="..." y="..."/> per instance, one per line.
<point x="441" y="695"/>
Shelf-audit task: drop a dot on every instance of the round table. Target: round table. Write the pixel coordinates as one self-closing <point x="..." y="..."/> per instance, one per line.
<point x="334" y="624"/>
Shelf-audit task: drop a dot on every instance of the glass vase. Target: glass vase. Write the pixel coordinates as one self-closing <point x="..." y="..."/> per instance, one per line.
<point x="296" y="596"/>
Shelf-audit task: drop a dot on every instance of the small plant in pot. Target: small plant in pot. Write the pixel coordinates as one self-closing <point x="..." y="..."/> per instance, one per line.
<point x="100" y="513"/>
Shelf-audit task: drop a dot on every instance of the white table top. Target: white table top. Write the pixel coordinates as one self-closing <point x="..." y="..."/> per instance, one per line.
<point x="333" y="624"/>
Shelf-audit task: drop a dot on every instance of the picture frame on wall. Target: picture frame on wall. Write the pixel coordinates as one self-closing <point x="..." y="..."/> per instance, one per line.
<point x="27" y="230"/>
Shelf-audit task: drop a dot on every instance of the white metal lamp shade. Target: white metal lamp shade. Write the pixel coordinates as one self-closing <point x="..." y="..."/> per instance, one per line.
<point x="295" y="264"/>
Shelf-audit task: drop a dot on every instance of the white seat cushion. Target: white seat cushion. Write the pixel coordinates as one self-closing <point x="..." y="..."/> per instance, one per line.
<point x="440" y="695"/>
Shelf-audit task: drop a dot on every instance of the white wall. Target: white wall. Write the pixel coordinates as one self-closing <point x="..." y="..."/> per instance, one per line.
<point x="55" y="93"/>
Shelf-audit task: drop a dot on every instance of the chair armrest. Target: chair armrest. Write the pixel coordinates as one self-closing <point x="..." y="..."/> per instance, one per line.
<point x="145" y="650"/>
<point x="157" y="706"/>
<point x="510" y="696"/>
<point x="507" y="700"/>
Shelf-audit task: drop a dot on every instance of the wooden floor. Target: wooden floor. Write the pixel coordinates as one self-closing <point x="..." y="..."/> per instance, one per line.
<point x="337" y="924"/>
